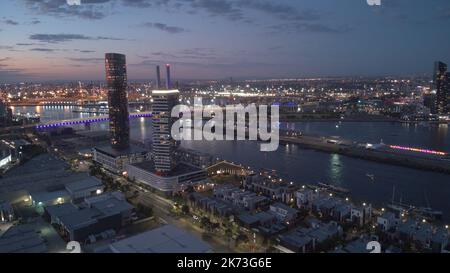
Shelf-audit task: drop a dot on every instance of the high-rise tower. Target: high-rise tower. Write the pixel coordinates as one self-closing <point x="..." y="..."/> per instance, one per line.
<point x="441" y="84"/>
<point x="116" y="79"/>
<point x="164" y="145"/>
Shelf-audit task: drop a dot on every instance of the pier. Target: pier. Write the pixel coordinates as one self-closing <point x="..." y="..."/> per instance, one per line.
<point x="388" y="154"/>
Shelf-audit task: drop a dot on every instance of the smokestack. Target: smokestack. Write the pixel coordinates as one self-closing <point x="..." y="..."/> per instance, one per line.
<point x="158" y="77"/>
<point x="168" y="83"/>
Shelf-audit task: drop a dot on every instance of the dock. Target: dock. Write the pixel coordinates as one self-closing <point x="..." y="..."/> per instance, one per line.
<point x="387" y="154"/>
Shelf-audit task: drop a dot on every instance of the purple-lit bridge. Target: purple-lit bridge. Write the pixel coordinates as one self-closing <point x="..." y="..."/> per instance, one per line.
<point x="88" y="120"/>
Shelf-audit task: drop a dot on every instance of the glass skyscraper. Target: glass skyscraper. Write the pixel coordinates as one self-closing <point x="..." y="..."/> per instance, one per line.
<point x="441" y="84"/>
<point x="116" y="79"/>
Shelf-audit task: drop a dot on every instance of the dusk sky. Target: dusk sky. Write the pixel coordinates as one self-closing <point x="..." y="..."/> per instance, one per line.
<point x="43" y="40"/>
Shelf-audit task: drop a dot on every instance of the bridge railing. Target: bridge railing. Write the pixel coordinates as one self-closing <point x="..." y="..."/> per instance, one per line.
<point x="102" y="118"/>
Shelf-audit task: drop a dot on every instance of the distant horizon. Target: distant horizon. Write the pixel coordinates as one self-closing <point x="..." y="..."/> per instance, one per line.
<point x="50" y="40"/>
<point x="137" y="80"/>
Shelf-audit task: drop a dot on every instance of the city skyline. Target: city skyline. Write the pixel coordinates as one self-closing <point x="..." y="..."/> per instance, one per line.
<point x="52" y="41"/>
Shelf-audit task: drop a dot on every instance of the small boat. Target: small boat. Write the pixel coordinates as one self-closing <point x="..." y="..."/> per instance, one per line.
<point x="371" y="176"/>
<point x="429" y="213"/>
<point x="400" y="208"/>
<point x="333" y="188"/>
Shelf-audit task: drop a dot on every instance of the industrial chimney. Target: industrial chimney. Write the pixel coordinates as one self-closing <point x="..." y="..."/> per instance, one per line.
<point x="158" y="77"/>
<point x="168" y="83"/>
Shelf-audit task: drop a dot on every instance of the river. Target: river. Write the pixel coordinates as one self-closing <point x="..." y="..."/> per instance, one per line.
<point x="416" y="187"/>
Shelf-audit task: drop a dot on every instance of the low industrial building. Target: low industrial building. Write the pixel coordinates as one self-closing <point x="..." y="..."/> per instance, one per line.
<point x="22" y="239"/>
<point x="165" y="239"/>
<point x="71" y="192"/>
<point x="85" y="188"/>
<point x="96" y="216"/>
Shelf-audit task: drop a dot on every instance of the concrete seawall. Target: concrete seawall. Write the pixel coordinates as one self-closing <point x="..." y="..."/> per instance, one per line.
<point x="382" y="156"/>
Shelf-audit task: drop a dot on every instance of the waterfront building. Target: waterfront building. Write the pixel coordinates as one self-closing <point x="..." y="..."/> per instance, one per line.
<point x="361" y="215"/>
<point x="116" y="79"/>
<point x="441" y="84"/>
<point x="164" y="146"/>
<point x="305" y="197"/>
<point x="284" y="213"/>
<point x="387" y="221"/>
<point x="121" y="152"/>
<point x="164" y="172"/>
<point x="241" y="198"/>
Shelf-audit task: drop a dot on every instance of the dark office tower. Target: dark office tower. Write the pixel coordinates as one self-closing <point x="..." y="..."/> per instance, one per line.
<point x="446" y="88"/>
<point x="116" y="80"/>
<point x="168" y="84"/>
<point x="440" y="84"/>
<point x="158" y="77"/>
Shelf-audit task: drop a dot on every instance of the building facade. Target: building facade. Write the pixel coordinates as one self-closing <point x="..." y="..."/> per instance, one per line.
<point x="441" y="82"/>
<point x="164" y="146"/>
<point x="116" y="79"/>
<point x="115" y="161"/>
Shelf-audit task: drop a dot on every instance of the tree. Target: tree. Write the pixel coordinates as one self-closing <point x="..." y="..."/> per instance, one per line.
<point x="185" y="209"/>
<point x="146" y="210"/>
<point x="94" y="170"/>
<point x="242" y="238"/>
<point x="205" y="222"/>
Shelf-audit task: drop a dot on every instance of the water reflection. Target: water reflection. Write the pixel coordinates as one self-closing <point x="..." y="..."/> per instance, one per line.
<point x="336" y="169"/>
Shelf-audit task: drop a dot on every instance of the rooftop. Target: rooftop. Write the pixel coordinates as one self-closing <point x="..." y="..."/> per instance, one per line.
<point x="61" y="209"/>
<point x="112" y="206"/>
<point x="165" y="239"/>
<point x="87" y="183"/>
<point x="284" y="207"/>
<point x="255" y="218"/>
<point x="180" y="169"/>
<point x="132" y="149"/>
<point x="44" y="196"/>
<point x="80" y="218"/>
<point x="22" y="239"/>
